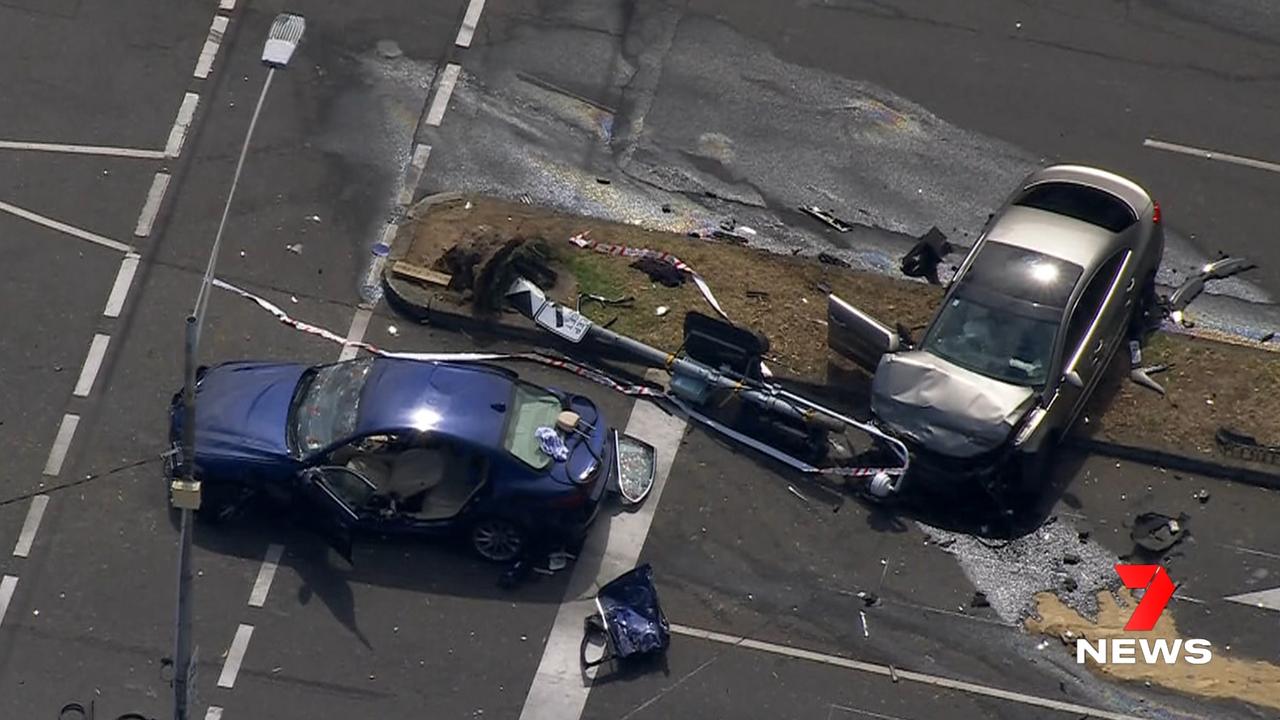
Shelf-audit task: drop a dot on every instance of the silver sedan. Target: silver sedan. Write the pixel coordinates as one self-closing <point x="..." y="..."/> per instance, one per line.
<point x="1031" y="320"/>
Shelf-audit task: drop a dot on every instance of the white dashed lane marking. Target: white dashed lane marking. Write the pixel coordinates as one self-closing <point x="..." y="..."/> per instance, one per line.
<point x="151" y="208"/>
<point x="8" y="584"/>
<point x="120" y="288"/>
<point x="182" y="123"/>
<point x="235" y="656"/>
<point x="61" y="443"/>
<point x="204" y="65"/>
<point x="266" y="574"/>
<point x="30" y="526"/>
<point x="92" y="364"/>
<point x="469" y="23"/>
<point x="440" y="102"/>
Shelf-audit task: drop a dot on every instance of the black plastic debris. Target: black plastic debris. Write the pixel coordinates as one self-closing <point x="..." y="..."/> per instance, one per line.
<point x="629" y="623"/>
<point x="826" y="217"/>
<point x="660" y="272"/>
<point x="1247" y="447"/>
<point x="979" y="600"/>
<point x="1191" y="288"/>
<point x="1071" y="559"/>
<point x="829" y="259"/>
<point x="1155" y="532"/>
<point x="1202" y="495"/>
<point x="868" y="598"/>
<point x="1268" y="337"/>
<point x="923" y="258"/>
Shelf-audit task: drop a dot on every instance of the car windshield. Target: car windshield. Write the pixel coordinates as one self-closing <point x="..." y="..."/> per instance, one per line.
<point x="531" y="408"/>
<point x="1010" y="341"/>
<point x="327" y="403"/>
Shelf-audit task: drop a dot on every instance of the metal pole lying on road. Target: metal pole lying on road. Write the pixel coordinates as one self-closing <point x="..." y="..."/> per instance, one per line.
<point x="286" y="32"/>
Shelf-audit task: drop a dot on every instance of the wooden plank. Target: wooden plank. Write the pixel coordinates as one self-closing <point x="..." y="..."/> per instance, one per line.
<point x="421" y="274"/>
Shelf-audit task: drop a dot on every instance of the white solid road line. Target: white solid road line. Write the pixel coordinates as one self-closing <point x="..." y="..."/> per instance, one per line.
<point x="27" y="537"/>
<point x="359" y="325"/>
<point x="120" y="288"/>
<point x="266" y="574"/>
<point x="413" y="174"/>
<point x="612" y="548"/>
<point x="214" y="712"/>
<point x="150" y="208"/>
<point x="204" y="64"/>
<point x="7" y="585"/>
<point x="92" y="363"/>
<point x="908" y="675"/>
<point x="469" y="23"/>
<point x="178" y="135"/>
<point x="63" y="227"/>
<point x="235" y="656"/>
<point x="61" y="443"/>
<point x="136" y="153"/>
<point x="440" y="102"/>
<point x="1212" y="155"/>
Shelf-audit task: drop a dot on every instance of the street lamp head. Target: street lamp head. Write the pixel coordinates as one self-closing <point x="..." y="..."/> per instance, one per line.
<point x="286" y="33"/>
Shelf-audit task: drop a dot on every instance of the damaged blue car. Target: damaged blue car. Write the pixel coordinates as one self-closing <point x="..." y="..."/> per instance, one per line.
<point x="392" y="446"/>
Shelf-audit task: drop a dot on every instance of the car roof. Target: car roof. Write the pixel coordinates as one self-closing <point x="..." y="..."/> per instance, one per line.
<point x="1059" y="236"/>
<point x="466" y="403"/>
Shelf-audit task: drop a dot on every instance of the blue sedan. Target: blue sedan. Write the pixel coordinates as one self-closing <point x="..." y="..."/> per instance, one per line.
<point x="394" y="446"/>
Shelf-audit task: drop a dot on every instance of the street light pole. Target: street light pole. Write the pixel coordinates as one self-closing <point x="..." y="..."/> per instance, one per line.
<point x="185" y="492"/>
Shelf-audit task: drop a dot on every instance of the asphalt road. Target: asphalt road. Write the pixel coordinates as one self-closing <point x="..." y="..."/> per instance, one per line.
<point x="756" y="566"/>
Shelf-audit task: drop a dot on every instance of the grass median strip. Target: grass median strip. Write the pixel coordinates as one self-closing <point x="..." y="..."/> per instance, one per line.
<point x="1210" y="385"/>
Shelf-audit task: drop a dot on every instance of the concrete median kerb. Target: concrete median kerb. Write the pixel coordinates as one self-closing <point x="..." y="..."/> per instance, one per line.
<point x="1110" y="433"/>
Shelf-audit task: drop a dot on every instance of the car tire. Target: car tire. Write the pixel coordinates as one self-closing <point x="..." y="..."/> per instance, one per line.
<point x="498" y="539"/>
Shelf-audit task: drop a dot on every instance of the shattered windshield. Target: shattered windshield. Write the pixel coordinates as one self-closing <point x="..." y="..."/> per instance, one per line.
<point x="1009" y="341"/>
<point x="327" y="403"/>
<point x="531" y="408"/>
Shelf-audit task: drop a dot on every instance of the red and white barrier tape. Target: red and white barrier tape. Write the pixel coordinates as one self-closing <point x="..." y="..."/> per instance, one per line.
<point x="582" y="241"/>
<point x="583" y="371"/>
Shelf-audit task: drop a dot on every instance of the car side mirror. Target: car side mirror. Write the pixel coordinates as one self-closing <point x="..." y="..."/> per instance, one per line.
<point x="1073" y="379"/>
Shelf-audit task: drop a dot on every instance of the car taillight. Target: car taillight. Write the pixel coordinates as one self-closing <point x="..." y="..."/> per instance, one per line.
<point x="1155" y="212"/>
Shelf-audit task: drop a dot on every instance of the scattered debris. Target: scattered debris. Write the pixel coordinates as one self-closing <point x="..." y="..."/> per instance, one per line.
<point x="798" y="494"/>
<point x="828" y="259"/>
<point x="923" y="258"/>
<point x="863" y="616"/>
<point x="745" y="230"/>
<point x="758" y="294"/>
<point x="1071" y="559"/>
<point x="893" y="674"/>
<point x="1070" y="584"/>
<point x="295" y="248"/>
<point x="1142" y="375"/>
<point x="1267" y="338"/>
<point x="1156" y="533"/>
<point x="604" y="181"/>
<point x="979" y="600"/>
<point x="314" y="218"/>
<point x="1083" y="532"/>
<point x="293" y="299"/>
<point x="391" y="330"/>
<point x="1246" y="446"/>
<point x="624" y="301"/>
<point x="826" y="217"/>
<point x="868" y="598"/>
<point x="486" y="265"/>
<point x="1202" y="495"/>
<point x="1191" y="288"/>
<point x="728" y="236"/>
<point x="421" y="274"/>
<point x="660" y="272"/>
<point x="629" y="623"/>
<point x="662" y="310"/>
<point x="526" y="198"/>
<point x="550" y="442"/>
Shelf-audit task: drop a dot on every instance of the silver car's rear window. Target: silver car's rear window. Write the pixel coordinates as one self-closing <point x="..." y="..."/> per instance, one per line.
<point x="1081" y="202"/>
<point x="1023" y="274"/>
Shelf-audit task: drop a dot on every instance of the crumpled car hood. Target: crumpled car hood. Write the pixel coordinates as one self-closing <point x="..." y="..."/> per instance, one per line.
<point x="943" y="407"/>
<point x="242" y="409"/>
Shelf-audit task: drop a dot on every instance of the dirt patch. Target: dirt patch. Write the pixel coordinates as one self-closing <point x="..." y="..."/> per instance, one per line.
<point x="1224" y="677"/>
<point x="1211" y="384"/>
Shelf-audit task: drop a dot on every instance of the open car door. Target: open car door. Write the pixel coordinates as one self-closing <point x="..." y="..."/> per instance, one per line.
<point x="330" y="496"/>
<point x="857" y="335"/>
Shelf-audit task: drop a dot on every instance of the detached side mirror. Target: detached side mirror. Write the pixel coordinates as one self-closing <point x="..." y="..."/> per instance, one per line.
<point x="1073" y="379"/>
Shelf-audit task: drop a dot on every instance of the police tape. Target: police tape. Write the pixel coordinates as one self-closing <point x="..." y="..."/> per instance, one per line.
<point x="582" y="241"/>
<point x="579" y="369"/>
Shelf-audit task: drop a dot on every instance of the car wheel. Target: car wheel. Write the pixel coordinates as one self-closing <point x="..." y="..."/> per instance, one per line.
<point x="498" y="539"/>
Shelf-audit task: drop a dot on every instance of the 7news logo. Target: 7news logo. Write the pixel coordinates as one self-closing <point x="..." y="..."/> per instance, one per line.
<point x="1157" y="589"/>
